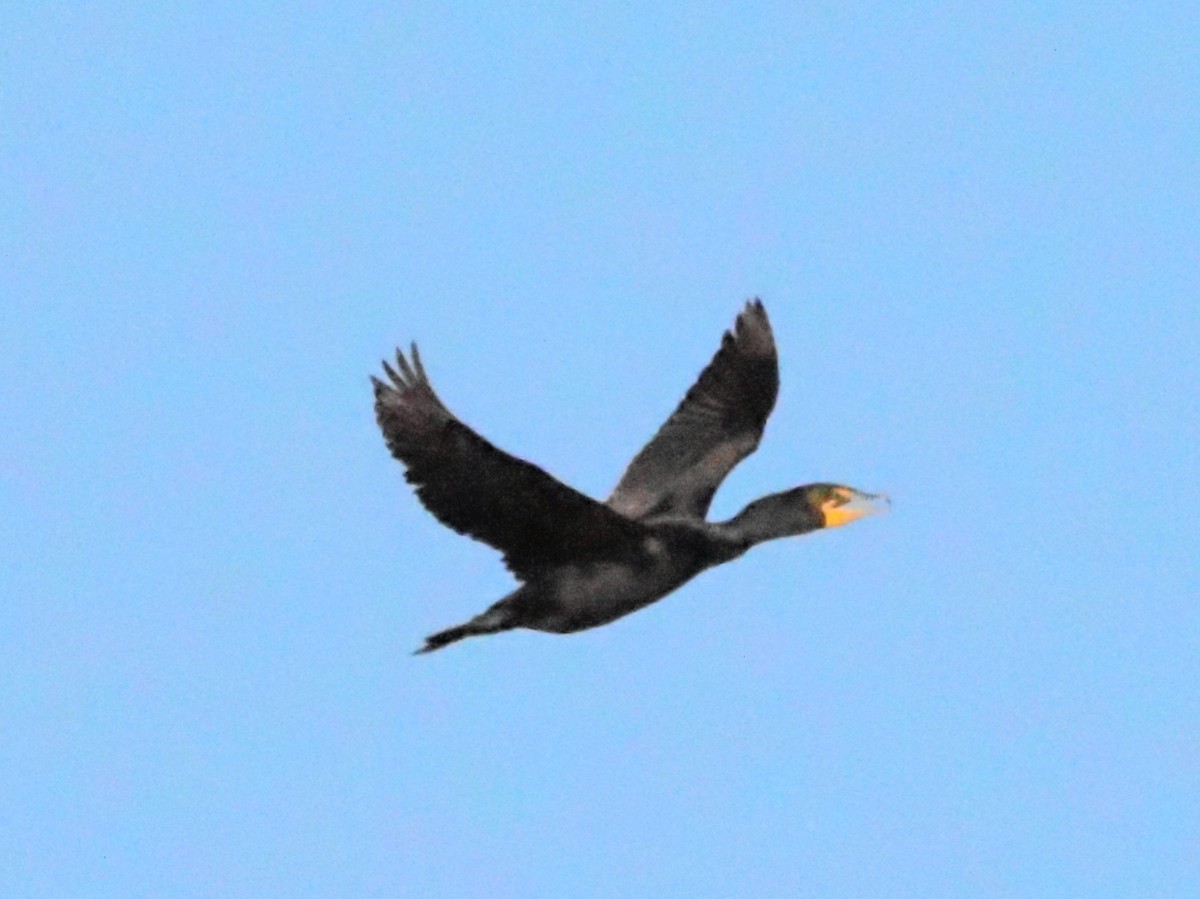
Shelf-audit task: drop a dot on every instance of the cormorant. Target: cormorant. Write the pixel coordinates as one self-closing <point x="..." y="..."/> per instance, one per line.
<point x="583" y="563"/>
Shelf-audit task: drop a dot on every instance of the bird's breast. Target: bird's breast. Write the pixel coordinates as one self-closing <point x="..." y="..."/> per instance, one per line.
<point x="587" y="595"/>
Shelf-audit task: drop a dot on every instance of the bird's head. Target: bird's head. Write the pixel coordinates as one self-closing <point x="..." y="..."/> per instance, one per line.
<point x="802" y="510"/>
<point x="836" y="505"/>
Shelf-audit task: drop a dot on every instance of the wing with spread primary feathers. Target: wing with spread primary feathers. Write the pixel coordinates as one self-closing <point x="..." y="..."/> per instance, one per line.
<point x="483" y="492"/>
<point x="718" y="424"/>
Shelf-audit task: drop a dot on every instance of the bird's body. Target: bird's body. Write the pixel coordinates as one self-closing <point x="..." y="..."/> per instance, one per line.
<point x="583" y="563"/>
<point x="670" y="555"/>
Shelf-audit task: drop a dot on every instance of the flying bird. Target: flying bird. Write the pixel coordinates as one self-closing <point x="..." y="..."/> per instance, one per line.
<point x="582" y="563"/>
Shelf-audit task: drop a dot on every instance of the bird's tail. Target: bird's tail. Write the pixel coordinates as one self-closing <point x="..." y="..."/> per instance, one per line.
<point x="498" y="618"/>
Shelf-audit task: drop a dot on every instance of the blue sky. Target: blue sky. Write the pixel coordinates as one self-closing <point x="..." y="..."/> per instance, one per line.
<point x="975" y="232"/>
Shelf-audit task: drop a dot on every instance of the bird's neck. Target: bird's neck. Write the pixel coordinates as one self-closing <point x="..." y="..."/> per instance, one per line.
<point x="776" y="515"/>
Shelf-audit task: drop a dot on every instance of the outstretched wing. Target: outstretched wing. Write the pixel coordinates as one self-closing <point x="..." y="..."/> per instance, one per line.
<point x="483" y="492"/>
<point x="718" y="424"/>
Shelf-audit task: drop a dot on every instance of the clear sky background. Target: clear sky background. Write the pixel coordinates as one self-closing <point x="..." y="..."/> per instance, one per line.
<point x="975" y="230"/>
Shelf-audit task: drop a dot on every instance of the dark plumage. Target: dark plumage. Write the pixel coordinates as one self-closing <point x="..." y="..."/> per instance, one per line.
<point x="582" y="563"/>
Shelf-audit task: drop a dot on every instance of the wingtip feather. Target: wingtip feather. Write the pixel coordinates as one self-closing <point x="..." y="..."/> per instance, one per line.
<point x="409" y="377"/>
<point x="416" y="358"/>
<point x="395" y="378"/>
